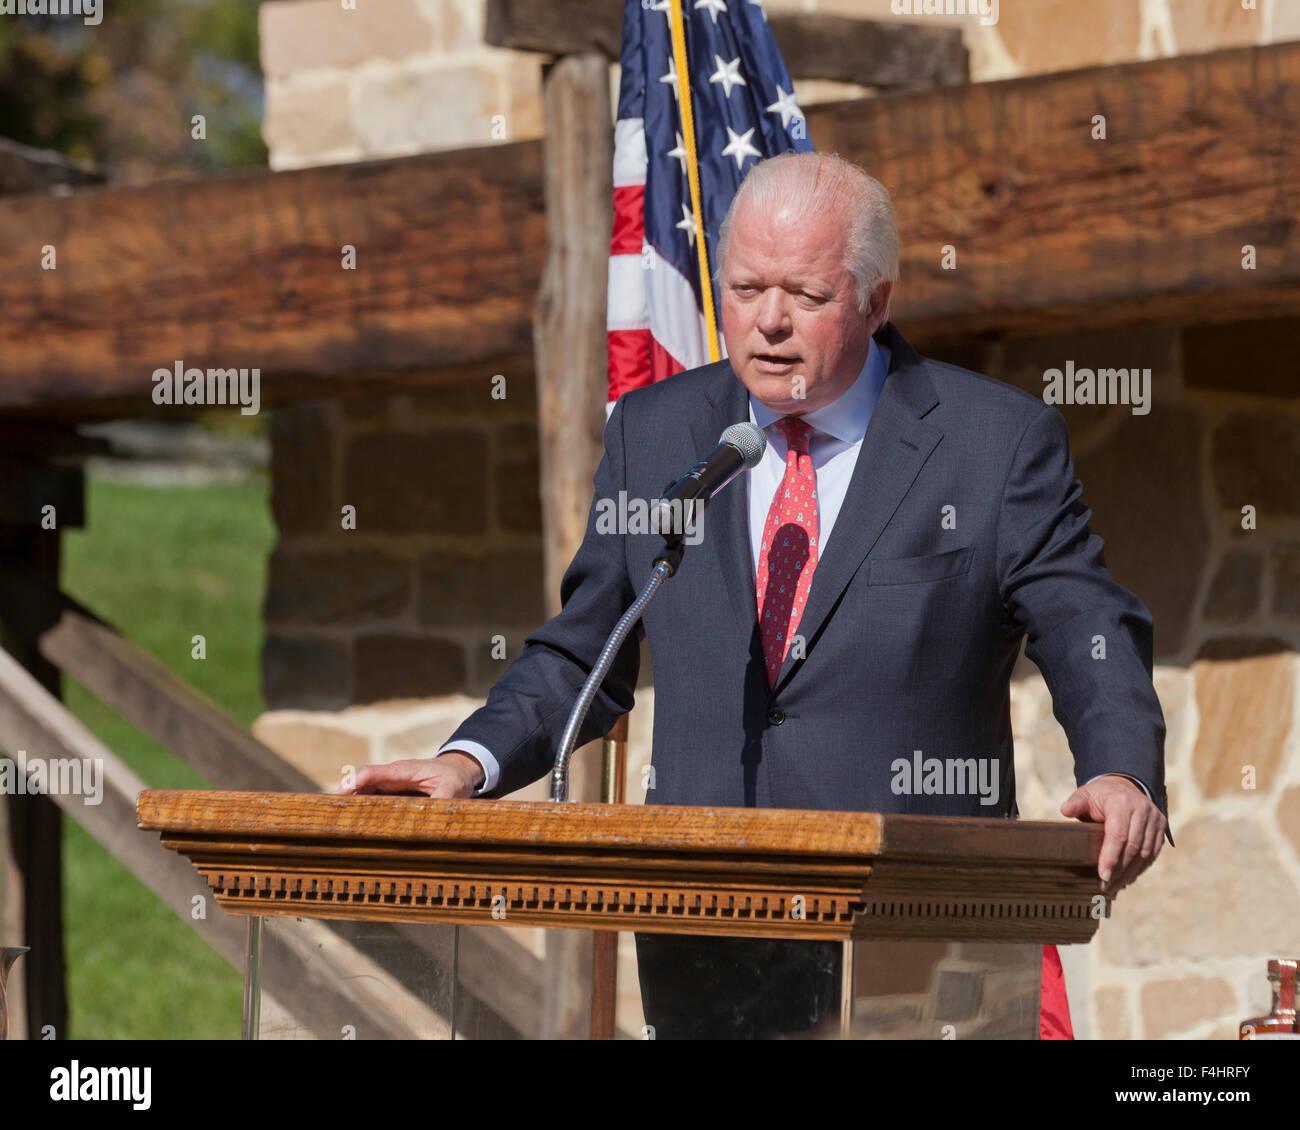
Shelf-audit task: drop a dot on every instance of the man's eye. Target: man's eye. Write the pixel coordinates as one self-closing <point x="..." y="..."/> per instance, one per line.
<point x="814" y="298"/>
<point x="743" y="289"/>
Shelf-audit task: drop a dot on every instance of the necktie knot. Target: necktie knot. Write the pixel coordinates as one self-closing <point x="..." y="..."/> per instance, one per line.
<point x="796" y="432"/>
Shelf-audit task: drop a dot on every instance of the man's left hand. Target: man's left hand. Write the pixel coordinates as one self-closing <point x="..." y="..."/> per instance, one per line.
<point x="1135" y="827"/>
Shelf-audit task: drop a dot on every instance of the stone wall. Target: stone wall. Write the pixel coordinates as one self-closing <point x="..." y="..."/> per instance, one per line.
<point x="441" y="564"/>
<point x="1184" y="954"/>
<point x="379" y="639"/>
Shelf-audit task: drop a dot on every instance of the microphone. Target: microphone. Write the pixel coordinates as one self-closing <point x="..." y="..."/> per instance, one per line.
<point x="739" y="448"/>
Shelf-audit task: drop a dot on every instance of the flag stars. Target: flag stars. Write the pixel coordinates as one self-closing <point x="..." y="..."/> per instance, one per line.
<point x="786" y="106"/>
<point x="729" y="75"/>
<point x="679" y="152"/>
<point x="739" y="146"/>
<point x="687" y="224"/>
<point x="713" y="7"/>
<point x="671" y="78"/>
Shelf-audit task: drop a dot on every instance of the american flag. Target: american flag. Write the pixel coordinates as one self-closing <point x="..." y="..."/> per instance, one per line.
<point x="743" y="109"/>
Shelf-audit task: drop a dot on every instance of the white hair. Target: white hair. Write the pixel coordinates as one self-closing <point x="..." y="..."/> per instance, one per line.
<point x="814" y="184"/>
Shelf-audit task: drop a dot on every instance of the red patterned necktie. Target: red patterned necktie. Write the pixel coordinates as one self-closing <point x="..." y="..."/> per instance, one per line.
<point x="788" y="554"/>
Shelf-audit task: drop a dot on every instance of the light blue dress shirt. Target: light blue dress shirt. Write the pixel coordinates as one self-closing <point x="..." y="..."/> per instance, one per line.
<point x="839" y="428"/>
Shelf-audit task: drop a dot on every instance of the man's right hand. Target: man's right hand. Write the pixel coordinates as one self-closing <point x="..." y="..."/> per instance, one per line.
<point x="452" y="776"/>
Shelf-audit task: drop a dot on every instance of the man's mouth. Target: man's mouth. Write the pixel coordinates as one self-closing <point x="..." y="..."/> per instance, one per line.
<point x="775" y="359"/>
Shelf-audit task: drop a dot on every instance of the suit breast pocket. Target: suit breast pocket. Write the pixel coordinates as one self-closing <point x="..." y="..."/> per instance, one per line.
<point x="917" y="570"/>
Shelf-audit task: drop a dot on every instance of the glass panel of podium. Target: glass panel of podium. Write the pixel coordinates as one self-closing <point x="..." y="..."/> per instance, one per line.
<point x="348" y="979"/>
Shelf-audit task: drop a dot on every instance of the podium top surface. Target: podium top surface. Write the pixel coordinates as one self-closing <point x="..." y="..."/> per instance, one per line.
<point x="644" y="828"/>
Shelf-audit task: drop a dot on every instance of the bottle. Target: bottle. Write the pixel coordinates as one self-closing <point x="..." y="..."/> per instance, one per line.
<point x="1280" y="1023"/>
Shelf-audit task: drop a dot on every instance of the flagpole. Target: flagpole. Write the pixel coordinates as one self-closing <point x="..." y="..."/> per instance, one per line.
<point x="693" y="171"/>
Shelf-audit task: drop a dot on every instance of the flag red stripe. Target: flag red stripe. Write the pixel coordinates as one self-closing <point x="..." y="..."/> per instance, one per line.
<point x="629" y="360"/>
<point x="629" y="220"/>
<point x="662" y="363"/>
<point x="634" y="355"/>
<point x="1054" y="1006"/>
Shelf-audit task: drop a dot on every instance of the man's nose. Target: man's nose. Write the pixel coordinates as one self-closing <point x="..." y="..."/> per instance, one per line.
<point x="773" y="315"/>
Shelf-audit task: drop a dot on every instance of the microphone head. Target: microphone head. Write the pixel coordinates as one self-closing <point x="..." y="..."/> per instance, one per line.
<point x="748" y="440"/>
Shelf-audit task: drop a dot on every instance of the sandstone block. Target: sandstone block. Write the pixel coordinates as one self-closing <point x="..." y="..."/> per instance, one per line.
<point x="427" y="483"/>
<point x="1234" y="592"/>
<point x="343" y="585"/>
<point x="1256" y="462"/>
<point x="307" y="35"/>
<point x="302" y="461"/>
<point x="424" y="110"/>
<point x="301" y="672"/>
<point x="1172" y="1005"/>
<point x="302" y="123"/>
<point x="388" y="666"/>
<point x="1244" y="700"/>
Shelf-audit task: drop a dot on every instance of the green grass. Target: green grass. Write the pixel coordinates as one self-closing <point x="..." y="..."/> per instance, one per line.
<point x="161" y="565"/>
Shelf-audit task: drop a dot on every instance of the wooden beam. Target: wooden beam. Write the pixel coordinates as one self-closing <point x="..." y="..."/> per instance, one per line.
<point x="247" y="271"/>
<point x="39" y="438"/>
<point x="878" y="53"/>
<point x="133" y="683"/>
<point x="1053" y="231"/>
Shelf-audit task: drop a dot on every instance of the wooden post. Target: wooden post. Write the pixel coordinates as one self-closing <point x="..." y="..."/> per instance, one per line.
<point x="569" y="328"/>
<point x="33" y="856"/>
<point x="569" y="341"/>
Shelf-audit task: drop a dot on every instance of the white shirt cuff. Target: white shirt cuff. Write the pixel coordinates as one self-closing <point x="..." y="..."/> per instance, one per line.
<point x="491" y="770"/>
<point x="1130" y="776"/>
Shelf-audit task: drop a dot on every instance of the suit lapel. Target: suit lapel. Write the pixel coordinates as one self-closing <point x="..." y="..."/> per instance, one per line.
<point x="894" y="449"/>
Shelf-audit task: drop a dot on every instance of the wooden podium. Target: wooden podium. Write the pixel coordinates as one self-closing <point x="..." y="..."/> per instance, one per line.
<point x="748" y="872"/>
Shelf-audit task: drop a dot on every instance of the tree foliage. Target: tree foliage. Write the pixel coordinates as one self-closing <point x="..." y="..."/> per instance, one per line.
<point x="124" y="93"/>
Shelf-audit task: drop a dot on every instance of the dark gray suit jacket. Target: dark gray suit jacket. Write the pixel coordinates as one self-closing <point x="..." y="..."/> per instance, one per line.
<point x="911" y="629"/>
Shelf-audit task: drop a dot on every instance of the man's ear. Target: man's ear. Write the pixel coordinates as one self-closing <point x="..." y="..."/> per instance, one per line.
<point x="878" y="304"/>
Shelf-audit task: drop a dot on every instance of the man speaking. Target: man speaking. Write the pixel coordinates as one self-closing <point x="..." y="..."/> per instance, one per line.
<point x="853" y="614"/>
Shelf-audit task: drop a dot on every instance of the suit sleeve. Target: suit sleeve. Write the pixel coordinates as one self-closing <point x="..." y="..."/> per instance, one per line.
<point x="526" y="710"/>
<point x="1090" y="637"/>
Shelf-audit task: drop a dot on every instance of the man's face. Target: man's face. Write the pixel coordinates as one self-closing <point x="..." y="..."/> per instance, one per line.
<point x="794" y="334"/>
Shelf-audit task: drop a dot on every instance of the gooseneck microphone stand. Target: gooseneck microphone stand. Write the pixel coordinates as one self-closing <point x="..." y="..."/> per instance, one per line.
<point x="665" y="565"/>
<point x="739" y="448"/>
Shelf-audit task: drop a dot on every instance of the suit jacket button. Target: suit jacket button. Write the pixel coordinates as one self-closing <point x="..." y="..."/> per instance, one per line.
<point x="775" y="716"/>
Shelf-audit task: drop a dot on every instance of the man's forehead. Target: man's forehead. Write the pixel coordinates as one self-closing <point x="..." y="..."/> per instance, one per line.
<point x="814" y="259"/>
<point x="780" y="237"/>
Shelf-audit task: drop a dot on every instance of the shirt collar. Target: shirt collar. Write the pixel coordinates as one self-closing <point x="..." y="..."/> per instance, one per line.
<point x="845" y="418"/>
